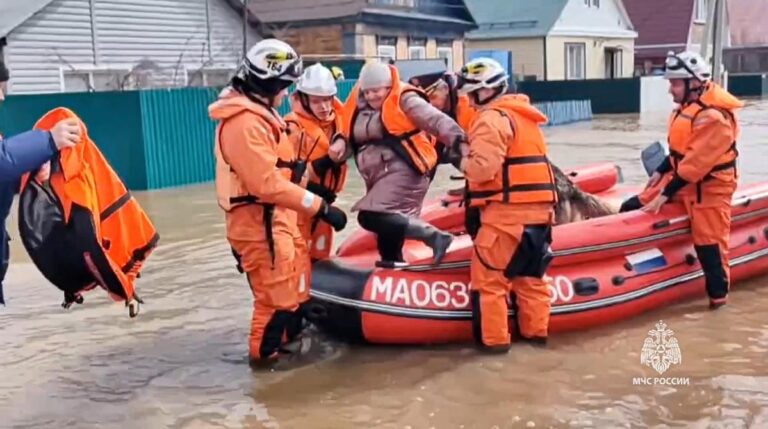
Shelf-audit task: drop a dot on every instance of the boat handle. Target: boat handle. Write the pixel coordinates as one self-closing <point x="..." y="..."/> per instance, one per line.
<point x="741" y="201"/>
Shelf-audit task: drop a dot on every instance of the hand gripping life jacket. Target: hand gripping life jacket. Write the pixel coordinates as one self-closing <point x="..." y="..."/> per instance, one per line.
<point x="401" y="134"/>
<point x="82" y="228"/>
<point x="526" y="176"/>
<point x="230" y="189"/>
<point x="314" y="144"/>
<point x="681" y="124"/>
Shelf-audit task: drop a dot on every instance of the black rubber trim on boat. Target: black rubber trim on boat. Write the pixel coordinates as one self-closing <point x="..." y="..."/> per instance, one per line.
<point x="342" y="281"/>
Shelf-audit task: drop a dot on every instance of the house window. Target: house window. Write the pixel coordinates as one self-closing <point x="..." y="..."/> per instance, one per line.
<point x="575" y="61"/>
<point x="447" y="55"/>
<point x="417" y="48"/>
<point x="417" y="52"/>
<point x="386" y="47"/>
<point x="700" y="10"/>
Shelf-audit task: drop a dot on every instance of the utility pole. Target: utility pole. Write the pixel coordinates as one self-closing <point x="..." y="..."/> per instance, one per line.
<point x="719" y="34"/>
<point x="245" y="27"/>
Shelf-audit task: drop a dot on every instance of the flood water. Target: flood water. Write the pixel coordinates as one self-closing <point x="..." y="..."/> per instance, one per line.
<point x="180" y="364"/>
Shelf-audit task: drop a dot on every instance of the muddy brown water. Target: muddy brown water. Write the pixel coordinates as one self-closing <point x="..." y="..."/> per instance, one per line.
<point x="180" y="364"/>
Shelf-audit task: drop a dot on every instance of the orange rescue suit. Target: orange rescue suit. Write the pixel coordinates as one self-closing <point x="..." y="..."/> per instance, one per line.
<point x="83" y="228"/>
<point x="311" y="140"/>
<point x="255" y="189"/>
<point x="401" y="134"/>
<point x="511" y="182"/>
<point x="701" y="174"/>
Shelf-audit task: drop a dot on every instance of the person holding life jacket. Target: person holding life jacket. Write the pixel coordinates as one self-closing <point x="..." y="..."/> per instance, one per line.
<point x="700" y="171"/>
<point x="315" y="119"/>
<point x="511" y="181"/>
<point x="80" y="224"/>
<point x="387" y="126"/>
<point x="21" y="154"/>
<point x="258" y="186"/>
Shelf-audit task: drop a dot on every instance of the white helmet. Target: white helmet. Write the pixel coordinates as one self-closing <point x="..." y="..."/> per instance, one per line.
<point x="687" y="65"/>
<point x="317" y="80"/>
<point x="482" y="73"/>
<point x="270" y="66"/>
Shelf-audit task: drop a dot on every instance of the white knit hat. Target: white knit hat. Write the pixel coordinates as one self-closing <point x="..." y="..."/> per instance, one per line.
<point x="375" y="74"/>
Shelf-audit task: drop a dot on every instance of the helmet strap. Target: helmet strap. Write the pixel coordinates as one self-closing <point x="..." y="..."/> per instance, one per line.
<point x="304" y="100"/>
<point x="496" y="93"/>
<point x="689" y="92"/>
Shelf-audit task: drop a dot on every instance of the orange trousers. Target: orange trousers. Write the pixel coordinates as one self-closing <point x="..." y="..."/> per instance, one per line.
<point x="316" y="244"/>
<point x="496" y="243"/>
<point x="710" y="217"/>
<point x="275" y="283"/>
<point x="711" y="230"/>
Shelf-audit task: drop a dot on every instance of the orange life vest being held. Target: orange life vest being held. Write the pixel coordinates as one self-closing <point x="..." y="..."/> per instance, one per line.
<point x="402" y="135"/>
<point x="314" y="143"/>
<point x="681" y="124"/>
<point x="82" y="227"/>
<point x="526" y="176"/>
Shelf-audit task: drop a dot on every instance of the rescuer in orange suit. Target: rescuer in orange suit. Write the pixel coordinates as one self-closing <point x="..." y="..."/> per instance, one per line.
<point x="510" y="180"/>
<point x="700" y="171"/>
<point x="257" y="187"/>
<point x="315" y="119"/>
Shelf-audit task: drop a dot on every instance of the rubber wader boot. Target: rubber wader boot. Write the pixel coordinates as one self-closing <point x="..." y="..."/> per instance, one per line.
<point x="438" y="240"/>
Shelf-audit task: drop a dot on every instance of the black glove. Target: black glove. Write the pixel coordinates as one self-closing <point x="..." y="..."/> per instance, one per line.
<point x="333" y="216"/>
<point x="457" y="151"/>
<point x="322" y="192"/>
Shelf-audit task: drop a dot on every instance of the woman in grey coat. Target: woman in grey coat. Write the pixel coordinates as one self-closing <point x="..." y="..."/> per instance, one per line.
<point x="395" y="190"/>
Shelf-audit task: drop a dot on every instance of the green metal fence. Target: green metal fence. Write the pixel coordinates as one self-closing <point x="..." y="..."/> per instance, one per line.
<point x="606" y="95"/>
<point x="163" y="138"/>
<point x="754" y="85"/>
<point x="113" y="119"/>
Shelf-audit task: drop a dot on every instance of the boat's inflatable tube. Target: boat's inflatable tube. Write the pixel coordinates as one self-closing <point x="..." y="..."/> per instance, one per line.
<point x="604" y="270"/>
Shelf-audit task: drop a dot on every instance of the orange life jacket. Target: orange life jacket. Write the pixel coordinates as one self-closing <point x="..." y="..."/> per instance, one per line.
<point x="314" y="144"/>
<point x="681" y="124"/>
<point x="526" y="176"/>
<point x="83" y="228"/>
<point x="401" y="134"/>
<point x="230" y="190"/>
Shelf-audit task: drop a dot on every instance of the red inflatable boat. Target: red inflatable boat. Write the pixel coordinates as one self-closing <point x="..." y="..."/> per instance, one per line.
<point x="604" y="270"/>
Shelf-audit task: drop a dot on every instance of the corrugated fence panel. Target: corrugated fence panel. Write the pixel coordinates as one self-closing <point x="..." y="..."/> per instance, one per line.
<point x="178" y="136"/>
<point x="113" y="120"/>
<point x="565" y="112"/>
